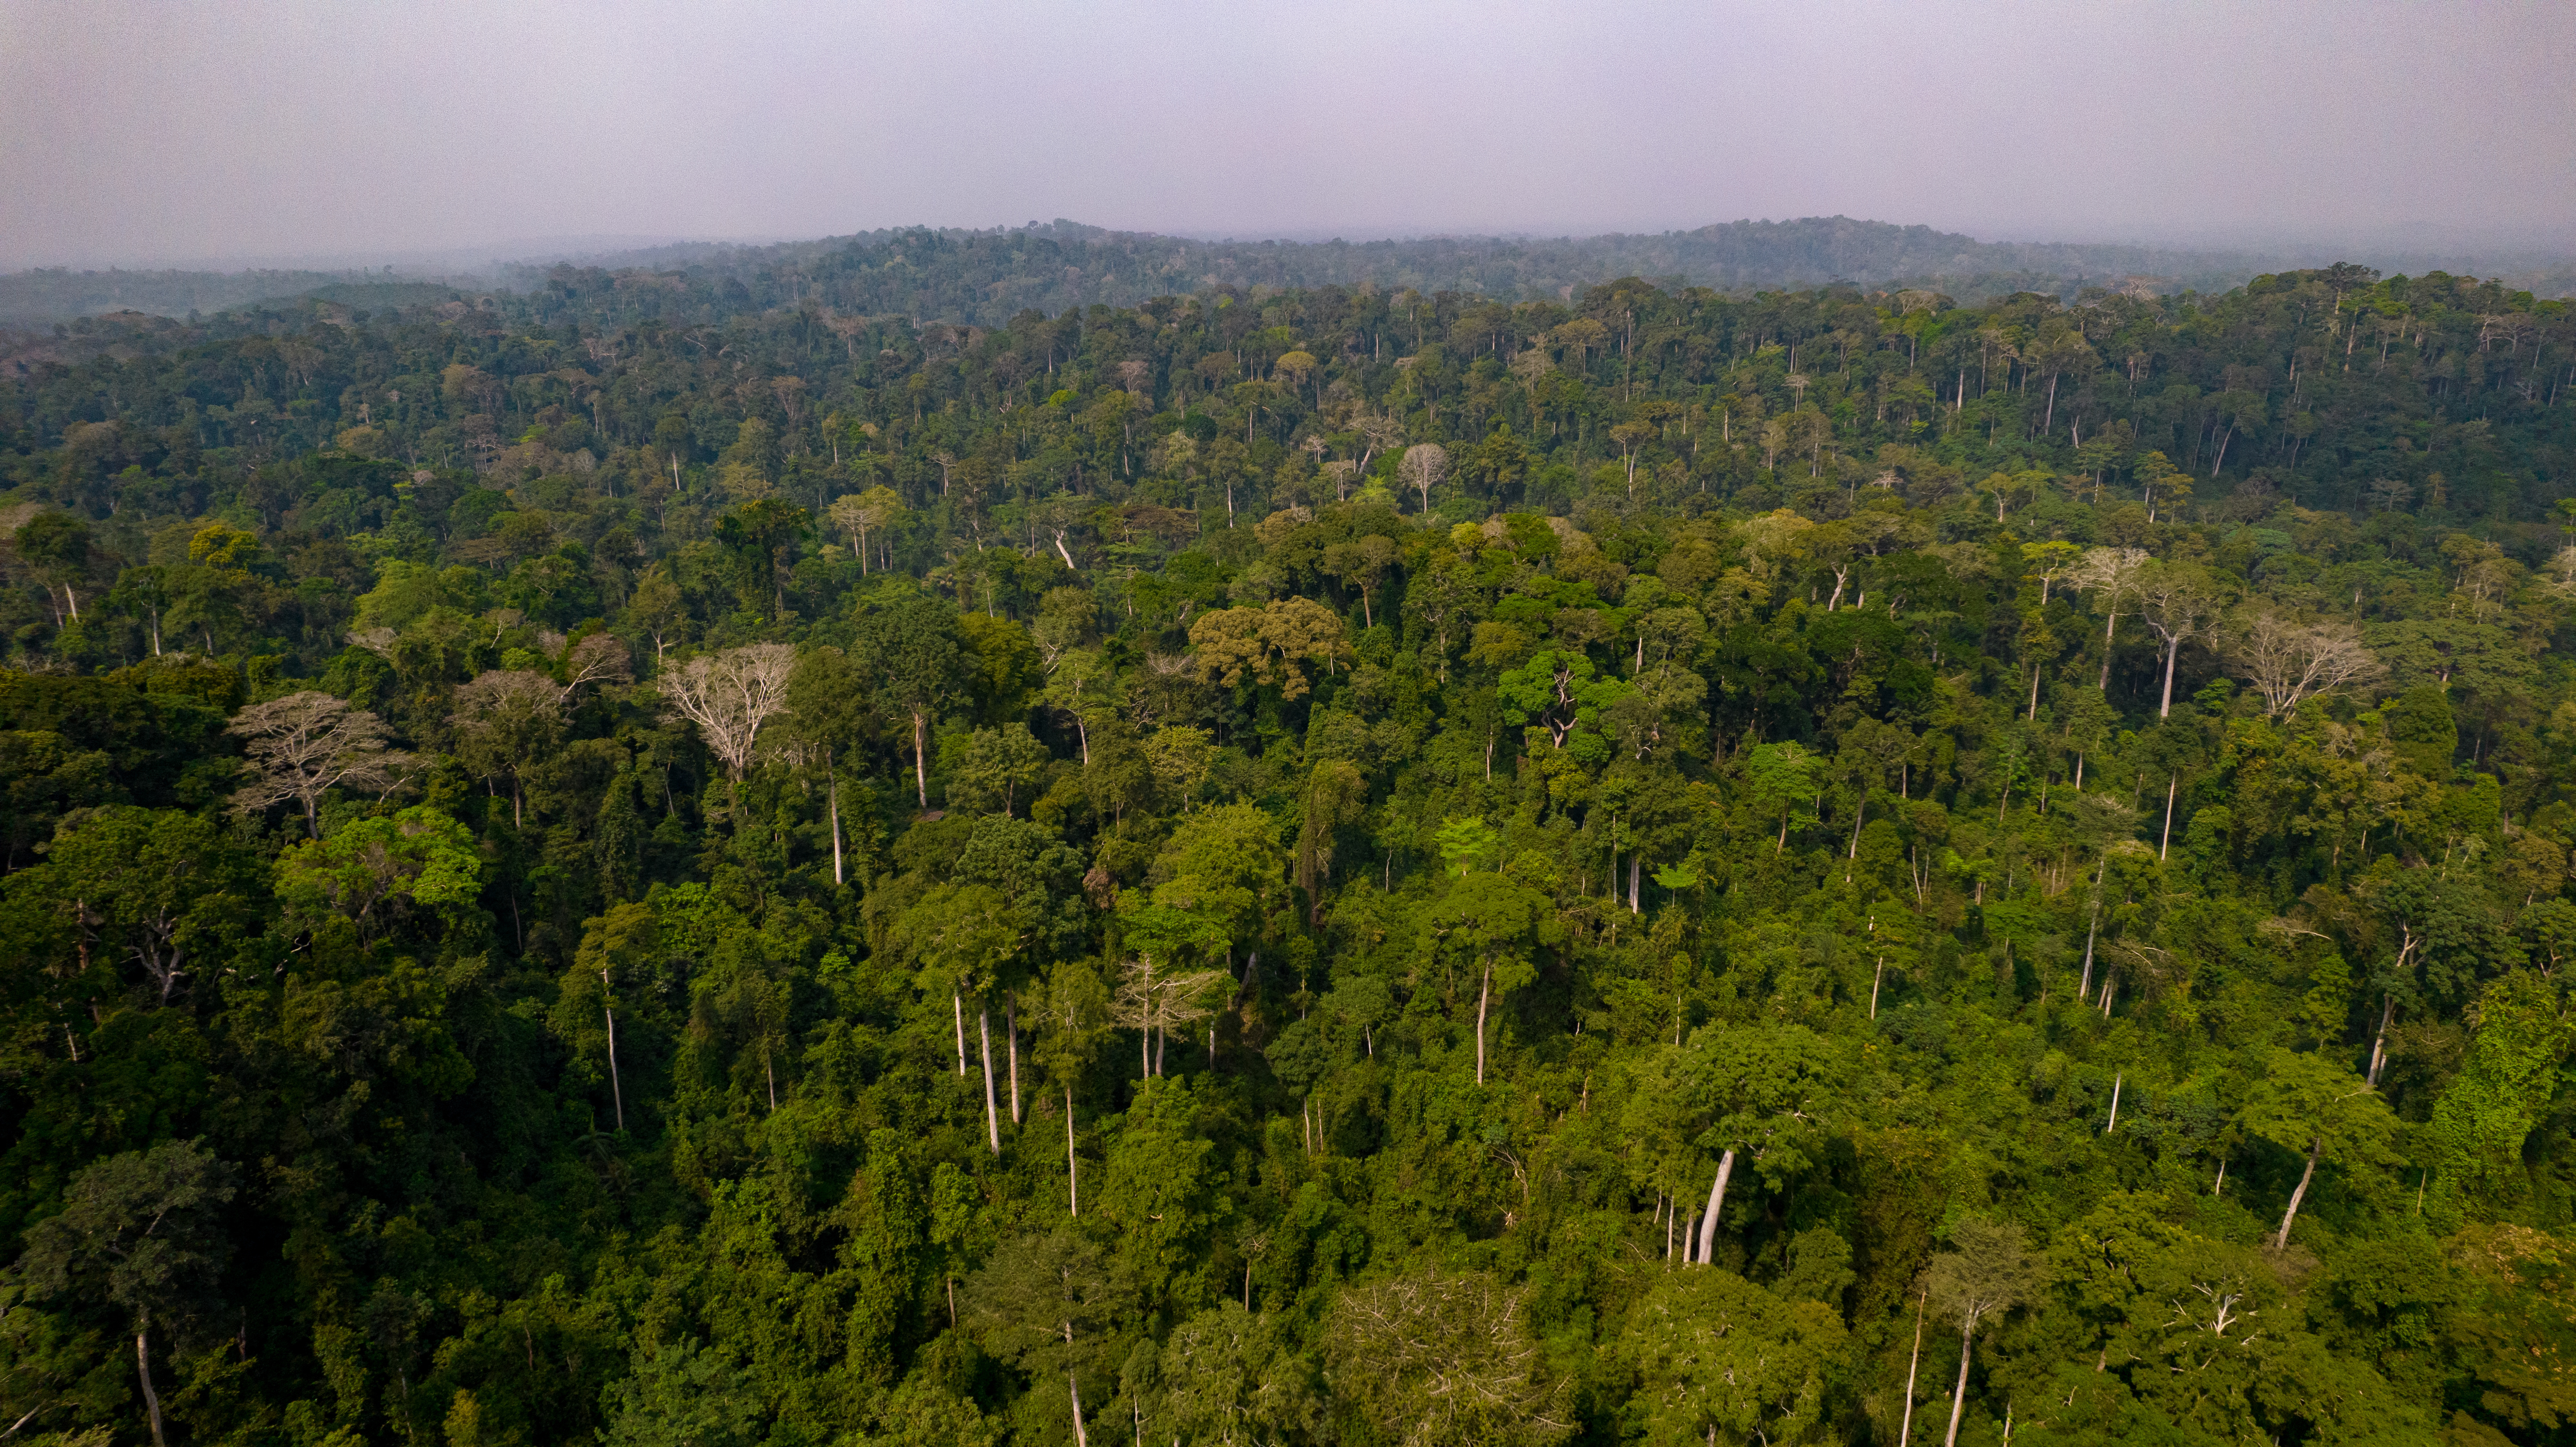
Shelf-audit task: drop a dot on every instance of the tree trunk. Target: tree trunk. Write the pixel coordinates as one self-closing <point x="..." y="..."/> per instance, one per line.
<point x="1484" y="996"/>
<point x="920" y="766"/>
<point x="957" y="1003"/>
<point x="2283" y="1238"/>
<point x="1072" y="1171"/>
<point x="834" y="784"/>
<point x="2173" y="651"/>
<point x="2379" y="1044"/>
<point x="616" y="1090"/>
<point x="1011" y="1038"/>
<point x="143" y="1369"/>
<point x="1959" y="1394"/>
<point x="1905" y="1431"/>
<point x="2172" y="781"/>
<point x="1716" y="1198"/>
<point x="992" y="1115"/>
<point x="1080" y="1437"/>
<point x="2110" y="623"/>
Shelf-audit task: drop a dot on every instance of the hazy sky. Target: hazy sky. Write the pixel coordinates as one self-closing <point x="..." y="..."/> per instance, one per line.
<point x="175" y="132"/>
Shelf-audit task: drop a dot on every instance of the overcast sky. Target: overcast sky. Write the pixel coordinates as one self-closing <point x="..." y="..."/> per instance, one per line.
<point x="166" y="132"/>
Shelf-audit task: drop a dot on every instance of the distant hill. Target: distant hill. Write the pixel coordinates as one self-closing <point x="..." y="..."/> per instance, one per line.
<point x="52" y="294"/>
<point x="986" y="277"/>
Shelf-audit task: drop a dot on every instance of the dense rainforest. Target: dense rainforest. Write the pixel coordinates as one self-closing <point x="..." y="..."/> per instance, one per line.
<point x="594" y="865"/>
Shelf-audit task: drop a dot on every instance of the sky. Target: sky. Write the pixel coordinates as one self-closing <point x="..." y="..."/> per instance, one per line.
<point x="157" y="132"/>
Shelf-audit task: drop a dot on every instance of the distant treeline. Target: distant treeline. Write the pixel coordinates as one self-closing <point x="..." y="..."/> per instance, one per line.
<point x="985" y="277"/>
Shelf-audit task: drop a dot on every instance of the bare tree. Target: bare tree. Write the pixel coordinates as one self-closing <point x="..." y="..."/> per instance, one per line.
<point x="600" y="658"/>
<point x="2289" y="663"/>
<point x="729" y="695"/>
<point x="304" y="744"/>
<point x="2112" y="576"/>
<point x="1424" y="464"/>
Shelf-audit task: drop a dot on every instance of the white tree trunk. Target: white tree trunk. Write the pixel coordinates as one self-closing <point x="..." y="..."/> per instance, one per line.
<point x="143" y="1369"/>
<point x="1959" y="1394"/>
<point x="835" y="786"/>
<point x="1072" y="1171"/>
<point x="1905" y="1432"/>
<point x="992" y="1114"/>
<point x="2283" y="1238"/>
<point x="616" y="1090"/>
<point x="1484" y="995"/>
<point x="1716" y="1198"/>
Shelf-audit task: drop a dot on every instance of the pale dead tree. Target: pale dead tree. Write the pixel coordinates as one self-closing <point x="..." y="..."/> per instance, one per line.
<point x="2112" y="576"/>
<point x="1424" y="464"/>
<point x="378" y="641"/>
<point x="1152" y="1003"/>
<point x="729" y="695"/>
<point x="2177" y="604"/>
<point x="600" y="658"/>
<point x="2289" y="663"/>
<point x="1344" y="475"/>
<point x="303" y="745"/>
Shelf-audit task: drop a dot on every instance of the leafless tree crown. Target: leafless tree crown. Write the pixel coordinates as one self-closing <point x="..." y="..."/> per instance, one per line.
<point x="729" y="695"/>
<point x="2289" y="663"/>
<point x="304" y="744"/>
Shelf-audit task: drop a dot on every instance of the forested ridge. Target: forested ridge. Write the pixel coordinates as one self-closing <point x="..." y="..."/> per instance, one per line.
<point x="1335" y="865"/>
<point x="985" y="277"/>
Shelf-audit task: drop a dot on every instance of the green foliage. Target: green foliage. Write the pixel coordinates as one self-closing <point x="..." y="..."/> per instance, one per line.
<point x="1205" y="952"/>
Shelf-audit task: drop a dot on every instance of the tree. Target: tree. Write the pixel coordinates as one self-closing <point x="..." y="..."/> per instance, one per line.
<point x="143" y="1232"/>
<point x="1783" y="776"/>
<point x="754" y="533"/>
<point x="2289" y="663"/>
<point x="1758" y="1088"/>
<point x="1488" y="918"/>
<point x="162" y="887"/>
<point x="657" y="607"/>
<point x="1268" y="645"/>
<point x="58" y="544"/>
<point x="1429" y="1359"/>
<point x="1988" y="1272"/>
<point x="2316" y="1106"/>
<point x="306" y="744"/>
<point x="1715" y="1355"/>
<point x="729" y="695"/>
<point x="1423" y="466"/>
<point x="2113" y="576"/>
<point x="506" y="720"/>
<point x="1000" y="769"/>
<point x="1558" y="690"/>
<point x="860" y="514"/>
<point x="2178" y="603"/>
<point x="1233" y="1377"/>
<point x="1154" y="992"/>
<point x="1042" y="1301"/>
<point x="913" y="659"/>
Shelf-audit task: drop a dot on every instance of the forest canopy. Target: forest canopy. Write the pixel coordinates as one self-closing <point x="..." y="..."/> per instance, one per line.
<point x="1501" y="870"/>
